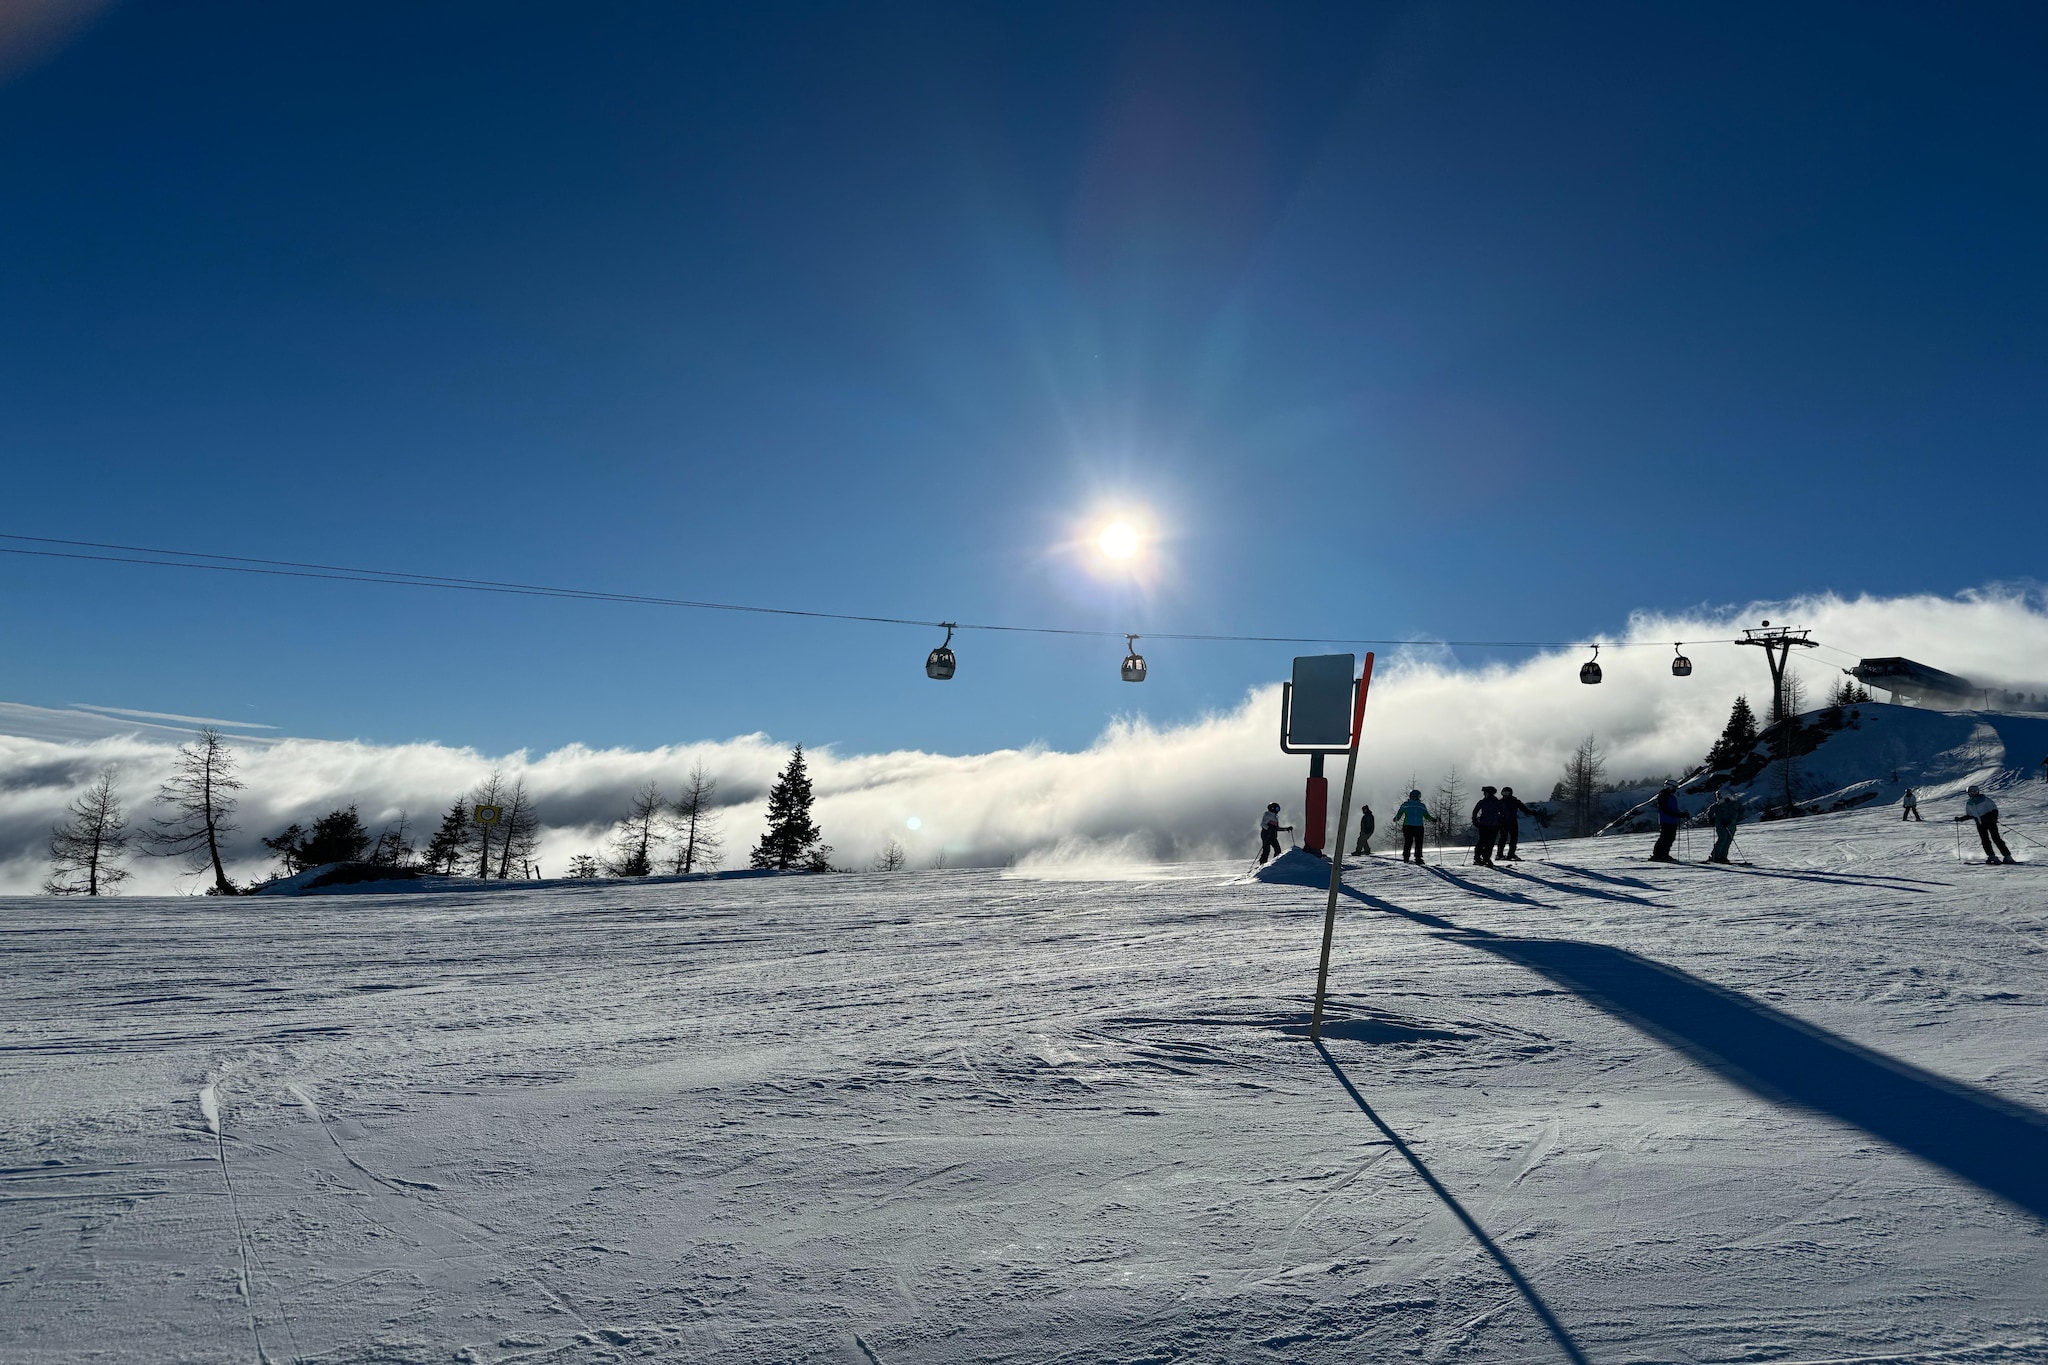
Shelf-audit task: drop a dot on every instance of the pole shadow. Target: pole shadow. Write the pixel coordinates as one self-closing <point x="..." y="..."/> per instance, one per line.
<point x="1993" y="1143"/>
<point x="1429" y="921"/>
<point x="1609" y="878"/>
<point x="1571" y="890"/>
<point x="1450" y="1201"/>
<point x="1839" y="879"/>
<point x="1438" y="870"/>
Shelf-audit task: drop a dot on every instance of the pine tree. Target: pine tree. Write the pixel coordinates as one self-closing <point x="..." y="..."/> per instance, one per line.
<point x="85" y="850"/>
<point x="693" y="824"/>
<point x="1738" y="737"/>
<point x="201" y="794"/>
<point x="632" y="852"/>
<point x="584" y="868"/>
<point x="1849" y="691"/>
<point x="791" y="839"/>
<point x="336" y="837"/>
<point x="450" y="841"/>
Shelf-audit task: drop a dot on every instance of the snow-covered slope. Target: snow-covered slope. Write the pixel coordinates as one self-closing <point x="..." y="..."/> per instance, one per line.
<point x="1589" y="1108"/>
<point x="1868" y="755"/>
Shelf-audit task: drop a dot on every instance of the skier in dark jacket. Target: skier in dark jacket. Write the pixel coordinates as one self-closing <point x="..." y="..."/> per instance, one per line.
<point x="1509" y="839"/>
<point x="1410" y="817"/>
<point x="1486" y="823"/>
<point x="1670" y="815"/>
<point x="1365" y="828"/>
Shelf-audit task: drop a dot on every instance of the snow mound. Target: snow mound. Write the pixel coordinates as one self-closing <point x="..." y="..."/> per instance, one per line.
<point x="1296" y="867"/>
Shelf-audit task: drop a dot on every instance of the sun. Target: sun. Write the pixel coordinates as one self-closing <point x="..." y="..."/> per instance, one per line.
<point x="1119" y="540"/>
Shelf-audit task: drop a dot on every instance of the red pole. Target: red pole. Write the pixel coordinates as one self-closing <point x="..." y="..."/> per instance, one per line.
<point x="1315" y="811"/>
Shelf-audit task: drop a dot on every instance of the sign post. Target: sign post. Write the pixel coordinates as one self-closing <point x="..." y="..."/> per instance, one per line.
<point x="485" y="817"/>
<point x="1315" y="1023"/>
<point x="1315" y="707"/>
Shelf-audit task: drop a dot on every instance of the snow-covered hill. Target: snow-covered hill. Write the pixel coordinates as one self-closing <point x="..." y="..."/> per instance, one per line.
<point x="1842" y="758"/>
<point x="1581" y="1109"/>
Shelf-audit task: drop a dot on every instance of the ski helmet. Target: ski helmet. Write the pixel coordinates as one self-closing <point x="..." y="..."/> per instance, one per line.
<point x="1415" y="794"/>
<point x="1272" y="805"/>
<point x="1670" y="784"/>
<point x="1488" y="790"/>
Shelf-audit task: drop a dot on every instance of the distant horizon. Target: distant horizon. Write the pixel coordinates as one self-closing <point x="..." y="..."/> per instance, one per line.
<point x="1138" y="788"/>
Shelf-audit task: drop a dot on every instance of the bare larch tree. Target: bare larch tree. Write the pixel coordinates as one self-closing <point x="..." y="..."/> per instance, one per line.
<point x="638" y="835"/>
<point x="520" y="831"/>
<point x="484" y="837"/>
<point x="1449" y="809"/>
<point x="85" y="851"/>
<point x="1580" y="789"/>
<point x="201" y="794"/>
<point x="693" y="824"/>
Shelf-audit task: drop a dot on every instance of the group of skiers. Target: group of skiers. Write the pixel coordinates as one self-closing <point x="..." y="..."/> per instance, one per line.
<point x="1496" y="820"/>
<point x="1496" y="824"/>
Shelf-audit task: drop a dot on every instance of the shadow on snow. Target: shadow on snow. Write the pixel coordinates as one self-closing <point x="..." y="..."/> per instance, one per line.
<point x="2000" y="1146"/>
<point x="1995" y="1144"/>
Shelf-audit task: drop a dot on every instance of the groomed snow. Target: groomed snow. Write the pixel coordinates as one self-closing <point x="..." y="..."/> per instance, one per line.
<point x="1788" y="1112"/>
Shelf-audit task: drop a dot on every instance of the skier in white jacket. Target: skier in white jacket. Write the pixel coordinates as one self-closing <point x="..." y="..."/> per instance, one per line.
<point x="1984" y="812"/>
<point x="1269" y="833"/>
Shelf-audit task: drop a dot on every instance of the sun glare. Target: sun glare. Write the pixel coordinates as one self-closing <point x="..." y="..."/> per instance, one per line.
<point x="1119" y="540"/>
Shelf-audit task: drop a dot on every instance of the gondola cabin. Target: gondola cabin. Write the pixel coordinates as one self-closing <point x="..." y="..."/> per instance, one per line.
<point x="938" y="665"/>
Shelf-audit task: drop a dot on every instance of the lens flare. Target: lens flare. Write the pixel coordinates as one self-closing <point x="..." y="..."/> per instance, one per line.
<point x="1119" y="540"/>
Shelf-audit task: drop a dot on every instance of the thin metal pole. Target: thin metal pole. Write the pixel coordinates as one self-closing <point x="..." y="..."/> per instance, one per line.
<point x="1315" y="1022"/>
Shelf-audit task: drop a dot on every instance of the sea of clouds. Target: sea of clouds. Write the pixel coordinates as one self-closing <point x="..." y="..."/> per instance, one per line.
<point x="1141" y="793"/>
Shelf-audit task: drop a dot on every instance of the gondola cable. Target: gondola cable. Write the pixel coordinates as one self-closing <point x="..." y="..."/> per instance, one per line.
<point x="285" y="568"/>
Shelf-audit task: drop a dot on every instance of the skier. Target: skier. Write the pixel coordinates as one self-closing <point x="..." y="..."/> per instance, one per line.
<point x="1670" y="815"/>
<point x="1911" y="804"/>
<point x="1984" y="811"/>
<point x="1486" y="824"/>
<point x="1410" y="818"/>
<point x="1510" y="838"/>
<point x="1725" y="814"/>
<point x="1365" y="828"/>
<point x="1269" y="833"/>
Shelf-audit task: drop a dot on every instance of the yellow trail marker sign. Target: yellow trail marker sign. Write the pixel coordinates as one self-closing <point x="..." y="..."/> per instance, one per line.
<point x="487" y="815"/>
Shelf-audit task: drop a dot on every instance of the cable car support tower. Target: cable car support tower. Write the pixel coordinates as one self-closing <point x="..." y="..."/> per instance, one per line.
<point x="1776" y="643"/>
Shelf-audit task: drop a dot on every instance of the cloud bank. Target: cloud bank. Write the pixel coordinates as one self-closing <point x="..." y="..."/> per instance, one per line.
<point x="1141" y="792"/>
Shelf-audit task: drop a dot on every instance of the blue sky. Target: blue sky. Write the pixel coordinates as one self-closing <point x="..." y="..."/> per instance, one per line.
<point x="1475" y="321"/>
